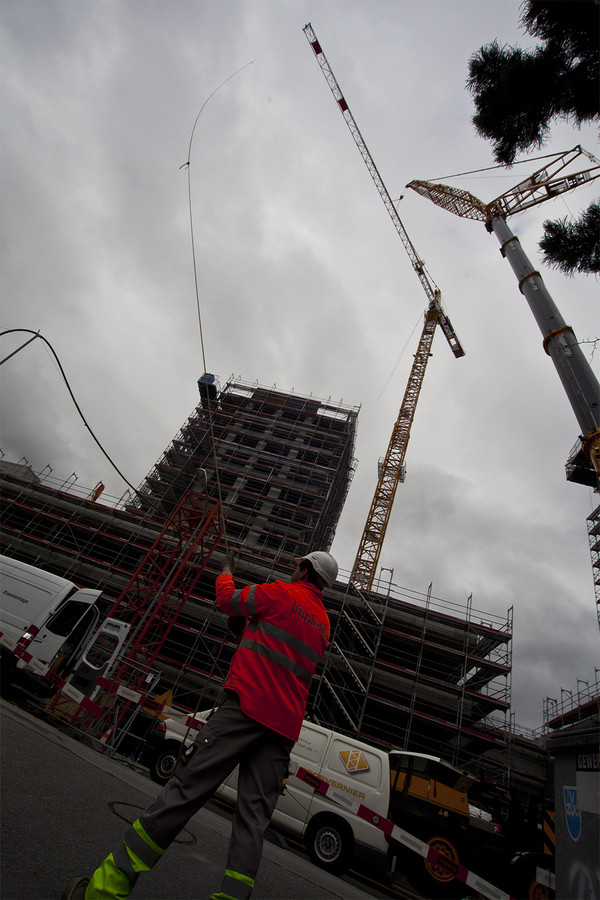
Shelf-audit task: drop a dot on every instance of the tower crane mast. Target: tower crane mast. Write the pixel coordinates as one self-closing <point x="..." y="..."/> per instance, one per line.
<point x="371" y="543"/>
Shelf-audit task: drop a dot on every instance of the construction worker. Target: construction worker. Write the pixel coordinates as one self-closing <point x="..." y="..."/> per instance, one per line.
<point x="285" y="635"/>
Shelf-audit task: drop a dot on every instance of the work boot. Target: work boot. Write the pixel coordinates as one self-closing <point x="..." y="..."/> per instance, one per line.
<point x="75" y="890"/>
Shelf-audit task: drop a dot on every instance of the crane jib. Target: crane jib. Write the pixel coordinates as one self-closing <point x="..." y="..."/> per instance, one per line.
<point x="431" y="290"/>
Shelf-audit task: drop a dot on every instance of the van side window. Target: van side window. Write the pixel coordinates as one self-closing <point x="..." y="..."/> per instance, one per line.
<point x="82" y="622"/>
<point x="66" y="618"/>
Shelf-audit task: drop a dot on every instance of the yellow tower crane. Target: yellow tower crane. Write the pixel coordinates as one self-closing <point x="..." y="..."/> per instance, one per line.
<point x="390" y="474"/>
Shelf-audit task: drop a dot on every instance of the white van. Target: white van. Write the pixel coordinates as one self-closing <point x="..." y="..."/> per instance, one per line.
<point x="333" y="836"/>
<point x="48" y="624"/>
<point x="424" y="795"/>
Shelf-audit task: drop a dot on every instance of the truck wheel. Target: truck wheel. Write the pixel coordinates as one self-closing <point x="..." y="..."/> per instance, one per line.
<point x="8" y="671"/>
<point x="523" y="878"/>
<point x="330" y="844"/>
<point x="433" y="879"/>
<point x="162" y="764"/>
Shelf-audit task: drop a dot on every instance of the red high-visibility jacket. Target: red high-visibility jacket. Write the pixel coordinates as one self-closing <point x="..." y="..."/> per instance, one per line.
<point x="286" y="635"/>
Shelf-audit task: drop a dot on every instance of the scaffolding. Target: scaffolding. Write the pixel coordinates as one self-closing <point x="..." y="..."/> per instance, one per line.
<point x="417" y="672"/>
<point x="573" y="706"/>
<point x="347" y="675"/>
<point x="435" y="679"/>
<point x="405" y="669"/>
<point x="166" y="577"/>
<point x="593" y="528"/>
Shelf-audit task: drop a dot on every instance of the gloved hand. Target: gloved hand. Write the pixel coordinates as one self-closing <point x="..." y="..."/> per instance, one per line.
<point x="228" y="564"/>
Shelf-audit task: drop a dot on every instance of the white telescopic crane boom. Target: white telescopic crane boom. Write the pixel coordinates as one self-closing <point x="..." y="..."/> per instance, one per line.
<point x="560" y="343"/>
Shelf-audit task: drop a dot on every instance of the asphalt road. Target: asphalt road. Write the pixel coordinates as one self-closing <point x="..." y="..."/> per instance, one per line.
<point x="64" y="807"/>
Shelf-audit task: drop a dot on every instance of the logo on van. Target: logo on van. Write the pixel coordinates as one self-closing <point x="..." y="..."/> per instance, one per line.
<point x="354" y="761"/>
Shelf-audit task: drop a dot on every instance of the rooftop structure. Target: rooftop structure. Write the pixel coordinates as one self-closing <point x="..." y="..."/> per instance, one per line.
<point x="280" y="463"/>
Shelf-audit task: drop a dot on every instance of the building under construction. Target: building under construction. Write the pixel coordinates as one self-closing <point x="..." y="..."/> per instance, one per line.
<point x="404" y="669"/>
<point x="280" y="464"/>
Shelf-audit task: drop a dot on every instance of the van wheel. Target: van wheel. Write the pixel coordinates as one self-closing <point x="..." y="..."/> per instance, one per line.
<point x="330" y="844"/>
<point x="162" y="765"/>
<point x="434" y="879"/>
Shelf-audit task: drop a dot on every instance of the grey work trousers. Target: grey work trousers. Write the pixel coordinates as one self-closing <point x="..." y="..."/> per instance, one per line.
<point x="228" y="738"/>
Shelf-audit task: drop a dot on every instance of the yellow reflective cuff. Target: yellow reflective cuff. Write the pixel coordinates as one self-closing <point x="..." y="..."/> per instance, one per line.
<point x="235" y="886"/>
<point x="245" y="878"/>
<point x="146" y="837"/>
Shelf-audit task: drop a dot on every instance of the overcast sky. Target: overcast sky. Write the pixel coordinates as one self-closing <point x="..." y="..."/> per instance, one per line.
<point x="303" y="281"/>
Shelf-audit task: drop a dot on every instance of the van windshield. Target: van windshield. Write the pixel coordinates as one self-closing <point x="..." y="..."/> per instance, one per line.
<point x="425" y="767"/>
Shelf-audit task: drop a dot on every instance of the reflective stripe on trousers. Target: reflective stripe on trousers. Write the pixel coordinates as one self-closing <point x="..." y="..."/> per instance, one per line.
<point x="234" y="886"/>
<point x="117" y="875"/>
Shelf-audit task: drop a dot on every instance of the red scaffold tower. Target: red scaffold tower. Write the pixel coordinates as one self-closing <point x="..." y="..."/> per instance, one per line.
<point x="165" y="579"/>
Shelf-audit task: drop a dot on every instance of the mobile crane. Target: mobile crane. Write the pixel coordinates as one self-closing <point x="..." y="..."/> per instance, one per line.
<point x="391" y="470"/>
<point x="559" y="341"/>
<point x="576" y="375"/>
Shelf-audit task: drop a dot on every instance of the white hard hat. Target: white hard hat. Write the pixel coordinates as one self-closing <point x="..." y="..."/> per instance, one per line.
<point x="324" y="565"/>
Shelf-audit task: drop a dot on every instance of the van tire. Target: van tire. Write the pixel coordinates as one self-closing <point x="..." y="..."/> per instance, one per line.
<point x="162" y="764"/>
<point x="330" y="843"/>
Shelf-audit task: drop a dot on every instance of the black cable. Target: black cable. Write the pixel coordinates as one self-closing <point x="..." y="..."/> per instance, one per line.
<point x="22" y="347"/>
<point x="37" y="334"/>
<point x="66" y="380"/>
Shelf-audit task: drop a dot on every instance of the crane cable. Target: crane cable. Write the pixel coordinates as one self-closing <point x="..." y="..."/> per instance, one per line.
<point x="38" y="334"/>
<point x="518" y="162"/>
<point x="188" y="166"/>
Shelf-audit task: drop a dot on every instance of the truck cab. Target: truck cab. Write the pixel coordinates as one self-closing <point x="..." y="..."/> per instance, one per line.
<point x="429" y="798"/>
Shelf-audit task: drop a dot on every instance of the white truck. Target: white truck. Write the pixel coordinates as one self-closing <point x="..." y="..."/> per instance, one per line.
<point x="423" y="794"/>
<point x="50" y="627"/>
